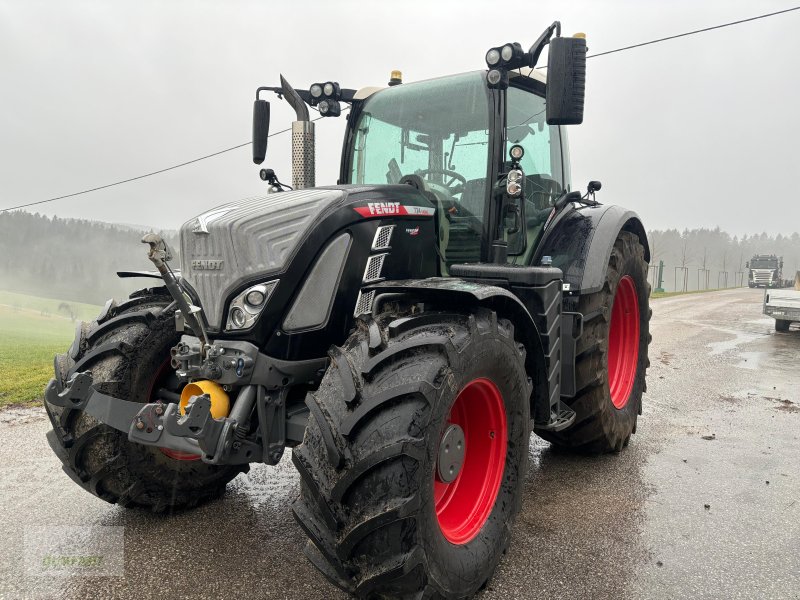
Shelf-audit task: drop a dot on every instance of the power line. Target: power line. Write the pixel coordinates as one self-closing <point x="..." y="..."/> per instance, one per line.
<point x="102" y="187"/>
<point x="696" y="31"/>
<point x="189" y="162"/>
<point x="108" y="185"/>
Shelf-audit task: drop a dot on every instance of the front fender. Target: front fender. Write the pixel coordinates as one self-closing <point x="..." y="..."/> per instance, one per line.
<point x="580" y="244"/>
<point x="459" y="293"/>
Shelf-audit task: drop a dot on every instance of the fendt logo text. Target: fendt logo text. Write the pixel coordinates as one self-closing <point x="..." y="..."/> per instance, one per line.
<point x="207" y="265"/>
<point x="384" y="208"/>
<point x="393" y="208"/>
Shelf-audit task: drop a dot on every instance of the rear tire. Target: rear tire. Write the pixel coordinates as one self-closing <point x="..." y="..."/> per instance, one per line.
<point x="369" y="494"/>
<point x="782" y="325"/>
<point x="611" y="355"/>
<point x="127" y="349"/>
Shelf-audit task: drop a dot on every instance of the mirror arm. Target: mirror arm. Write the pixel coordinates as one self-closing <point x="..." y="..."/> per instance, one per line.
<point x="544" y="39"/>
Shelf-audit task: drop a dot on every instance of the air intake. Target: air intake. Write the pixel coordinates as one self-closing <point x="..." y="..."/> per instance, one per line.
<point x="382" y="237"/>
<point x="374" y="267"/>
<point x="364" y="303"/>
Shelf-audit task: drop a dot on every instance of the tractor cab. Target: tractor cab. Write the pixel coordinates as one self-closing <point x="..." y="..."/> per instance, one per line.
<point x="452" y="138"/>
<point x="486" y="148"/>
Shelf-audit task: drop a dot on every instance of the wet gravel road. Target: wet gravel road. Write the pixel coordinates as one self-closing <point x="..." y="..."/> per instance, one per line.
<point x="704" y="503"/>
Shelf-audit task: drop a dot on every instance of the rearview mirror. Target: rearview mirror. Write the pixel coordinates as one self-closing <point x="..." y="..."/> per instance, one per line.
<point x="566" y="80"/>
<point x="260" y="130"/>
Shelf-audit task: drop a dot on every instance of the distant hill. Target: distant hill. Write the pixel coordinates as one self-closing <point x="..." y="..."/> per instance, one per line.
<point x="71" y="259"/>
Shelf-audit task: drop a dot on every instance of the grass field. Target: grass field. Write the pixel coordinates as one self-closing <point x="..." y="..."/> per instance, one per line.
<point x="32" y="330"/>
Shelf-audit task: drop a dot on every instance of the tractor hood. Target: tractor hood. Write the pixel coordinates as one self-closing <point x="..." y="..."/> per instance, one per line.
<point x="232" y="244"/>
<point x="280" y="235"/>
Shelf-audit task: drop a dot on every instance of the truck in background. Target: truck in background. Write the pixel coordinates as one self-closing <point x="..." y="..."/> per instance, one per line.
<point x="783" y="305"/>
<point x="765" y="270"/>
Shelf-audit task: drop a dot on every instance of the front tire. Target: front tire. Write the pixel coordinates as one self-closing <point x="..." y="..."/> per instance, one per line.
<point x="127" y="351"/>
<point x="782" y="325"/>
<point x="382" y="520"/>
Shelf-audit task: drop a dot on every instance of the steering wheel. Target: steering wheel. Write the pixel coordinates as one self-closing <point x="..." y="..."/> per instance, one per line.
<point x="453" y="175"/>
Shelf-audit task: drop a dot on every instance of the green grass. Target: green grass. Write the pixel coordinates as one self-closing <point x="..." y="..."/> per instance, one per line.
<point x="32" y="331"/>
<point x="49" y="306"/>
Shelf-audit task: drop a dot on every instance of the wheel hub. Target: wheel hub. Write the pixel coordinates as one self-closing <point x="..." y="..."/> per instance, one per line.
<point x="451" y="454"/>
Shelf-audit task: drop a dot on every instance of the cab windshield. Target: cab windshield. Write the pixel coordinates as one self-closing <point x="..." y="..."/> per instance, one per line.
<point x="764" y="263"/>
<point x="437" y="130"/>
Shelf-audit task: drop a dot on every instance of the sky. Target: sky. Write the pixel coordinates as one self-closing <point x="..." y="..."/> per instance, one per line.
<point x="696" y="132"/>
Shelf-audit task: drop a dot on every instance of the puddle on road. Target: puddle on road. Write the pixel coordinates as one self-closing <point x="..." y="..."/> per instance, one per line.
<point x="750" y="360"/>
<point x="740" y="338"/>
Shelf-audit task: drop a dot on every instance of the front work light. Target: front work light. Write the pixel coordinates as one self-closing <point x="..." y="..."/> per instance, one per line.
<point x="329" y="108"/>
<point x="507" y="56"/>
<point x="497" y="78"/>
<point x="514" y="182"/>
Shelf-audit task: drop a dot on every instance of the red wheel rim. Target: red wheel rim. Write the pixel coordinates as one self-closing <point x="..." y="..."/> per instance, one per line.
<point x="464" y="505"/>
<point x="151" y="396"/>
<point x="623" y="342"/>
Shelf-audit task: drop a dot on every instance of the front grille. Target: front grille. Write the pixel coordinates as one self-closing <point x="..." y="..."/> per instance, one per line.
<point x="364" y="303"/>
<point x="382" y="237"/>
<point x="374" y="267"/>
<point x="762" y="277"/>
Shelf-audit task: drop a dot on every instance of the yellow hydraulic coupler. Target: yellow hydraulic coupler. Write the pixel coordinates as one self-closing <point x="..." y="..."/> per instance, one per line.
<point x="220" y="403"/>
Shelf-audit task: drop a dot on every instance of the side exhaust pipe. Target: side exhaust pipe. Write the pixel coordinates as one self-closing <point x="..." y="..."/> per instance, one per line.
<point x="303" y="155"/>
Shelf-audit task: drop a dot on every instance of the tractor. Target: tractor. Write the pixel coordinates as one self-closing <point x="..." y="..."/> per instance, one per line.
<point x="403" y="332"/>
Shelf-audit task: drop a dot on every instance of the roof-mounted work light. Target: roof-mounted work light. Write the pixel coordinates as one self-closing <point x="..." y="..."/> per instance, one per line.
<point x="325" y="96"/>
<point x="500" y="60"/>
<point x="329" y="108"/>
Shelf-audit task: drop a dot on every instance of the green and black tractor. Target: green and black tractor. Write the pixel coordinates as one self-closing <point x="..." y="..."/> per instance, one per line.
<point x="403" y="331"/>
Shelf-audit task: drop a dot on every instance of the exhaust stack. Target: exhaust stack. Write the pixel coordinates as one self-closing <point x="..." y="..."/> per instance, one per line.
<point x="303" y="158"/>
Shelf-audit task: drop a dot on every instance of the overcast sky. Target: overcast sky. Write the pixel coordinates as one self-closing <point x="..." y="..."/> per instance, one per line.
<point x="700" y="131"/>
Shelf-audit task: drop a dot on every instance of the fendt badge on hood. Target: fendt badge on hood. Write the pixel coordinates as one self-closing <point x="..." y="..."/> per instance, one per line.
<point x="203" y="220"/>
<point x="207" y="265"/>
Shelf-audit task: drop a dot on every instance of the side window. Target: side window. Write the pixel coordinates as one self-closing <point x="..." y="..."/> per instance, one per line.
<point x="526" y="126"/>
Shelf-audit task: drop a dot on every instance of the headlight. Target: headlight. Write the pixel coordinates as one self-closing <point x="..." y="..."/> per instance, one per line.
<point x="328" y="89"/>
<point x="316" y="90"/>
<point x="247" y="306"/>
<point x="507" y="52"/>
<point x="492" y="57"/>
<point x="255" y="298"/>
<point x="238" y="318"/>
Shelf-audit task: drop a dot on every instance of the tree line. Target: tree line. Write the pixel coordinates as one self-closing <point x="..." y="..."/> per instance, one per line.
<point x="77" y="260"/>
<point x="71" y="259"/>
<point x="713" y="258"/>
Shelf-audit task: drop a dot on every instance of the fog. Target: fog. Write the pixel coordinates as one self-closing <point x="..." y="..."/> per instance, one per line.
<point x="695" y="132"/>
